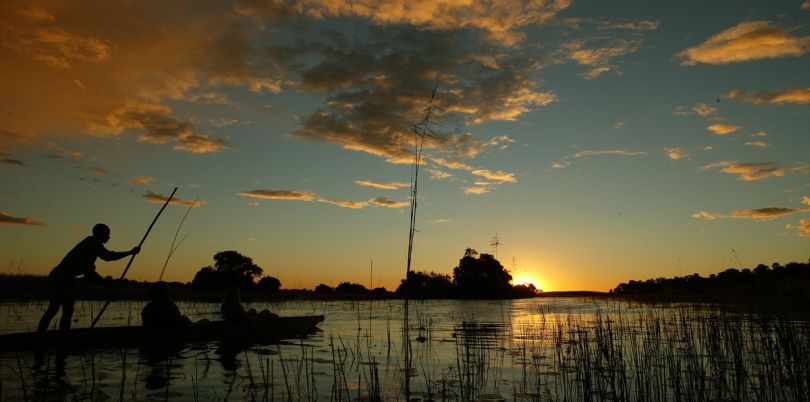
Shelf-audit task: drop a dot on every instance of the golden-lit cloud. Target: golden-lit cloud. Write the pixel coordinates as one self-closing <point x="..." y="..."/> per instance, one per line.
<point x="90" y="67"/>
<point x="253" y="203"/>
<point x="438" y="174"/>
<point x="748" y="171"/>
<point x="159" y="127"/>
<point x="588" y="153"/>
<point x="804" y="224"/>
<point x="701" y="109"/>
<point x="47" y="42"/>
<point x="499" y="21"/>
<point x="297" y="195"/>
<point x="497" y="176"/>
<point x="751" y="171"/>
<point x="599" y="59"/>
<point x="806" y="200"/>
<point x="6" y="219"/>
<point x="676" y="153"/>
<point x="381" y="185"/>
<point x="156" y="198"/>
<point x="788" y="95"/>
<point x="723" y="129"/>
<point x="476" y="190"/>
<point x="440" y="221"/>
<point x="141" y="180"/>
<point x="309" y="196"/>
<point x="388" y="203"/>
<point x="806" y="5"/>
<point x="707" y="216"/>
<point x="758" y="144"/>
<point x="746" y="41"/>
<point x="763" y="214"/>
<point x="344" y="203"/>
<point x="704" y="109"/>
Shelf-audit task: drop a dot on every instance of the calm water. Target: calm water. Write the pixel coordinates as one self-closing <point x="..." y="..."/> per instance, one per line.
<point x="532" y="349"/>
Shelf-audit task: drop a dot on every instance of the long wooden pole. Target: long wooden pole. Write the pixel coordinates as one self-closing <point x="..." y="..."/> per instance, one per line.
<point x="132" y="258"/>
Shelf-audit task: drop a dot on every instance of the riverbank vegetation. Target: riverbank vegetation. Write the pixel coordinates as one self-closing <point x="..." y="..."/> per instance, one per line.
<point x="779" y="288"/>
<point x="476" y="276"/>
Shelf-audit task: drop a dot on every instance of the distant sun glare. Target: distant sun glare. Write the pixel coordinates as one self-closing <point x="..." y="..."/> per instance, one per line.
<point x="526" y="280"/>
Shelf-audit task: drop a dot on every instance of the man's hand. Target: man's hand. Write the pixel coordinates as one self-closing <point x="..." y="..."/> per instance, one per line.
<point x="135" y="250"/>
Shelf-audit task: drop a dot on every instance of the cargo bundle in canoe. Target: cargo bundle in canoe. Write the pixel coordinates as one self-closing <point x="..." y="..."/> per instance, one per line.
<point x="264" y="332"/>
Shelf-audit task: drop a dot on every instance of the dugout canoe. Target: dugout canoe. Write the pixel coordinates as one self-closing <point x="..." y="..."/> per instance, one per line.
<point x="137" y="336"/>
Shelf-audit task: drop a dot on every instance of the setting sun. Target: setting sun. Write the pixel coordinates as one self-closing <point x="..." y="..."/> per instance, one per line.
<point x="526" y="279"/>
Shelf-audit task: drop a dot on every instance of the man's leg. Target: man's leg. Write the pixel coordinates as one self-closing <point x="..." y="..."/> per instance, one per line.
<point x="67" y="315"/>
<point x="53" y="307"/>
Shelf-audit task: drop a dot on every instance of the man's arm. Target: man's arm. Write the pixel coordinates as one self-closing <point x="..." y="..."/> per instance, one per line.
<point x="108" y="255"/>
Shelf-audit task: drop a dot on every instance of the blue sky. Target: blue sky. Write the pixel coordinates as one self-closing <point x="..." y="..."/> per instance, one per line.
<point x="601" y="142"/>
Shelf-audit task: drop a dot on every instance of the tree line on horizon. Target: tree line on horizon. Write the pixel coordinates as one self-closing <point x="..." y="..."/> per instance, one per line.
<point x="790" y="280"/>
<point x="476" y="276"/>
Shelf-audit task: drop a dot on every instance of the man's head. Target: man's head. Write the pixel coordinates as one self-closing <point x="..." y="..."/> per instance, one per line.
<point x="101" y="232"/>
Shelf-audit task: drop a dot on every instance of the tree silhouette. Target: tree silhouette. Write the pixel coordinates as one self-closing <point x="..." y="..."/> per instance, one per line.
<point x="269" y="284"/>
<point x="346" y="287"/>
<point x="230" y="268"/>
<point x="481" y="277"/>
<point x="423" y="285"/>
<point x="324" y="288"/>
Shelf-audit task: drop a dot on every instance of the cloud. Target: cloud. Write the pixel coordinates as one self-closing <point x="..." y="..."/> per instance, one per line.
<point x="476" y="190"/>
<point x="92" y="67"/>
<point x="141" y="180"/>
<point x="707" y="216"/>
<point x="344" y="204"/>
<point x="156" y="198"/>
<point x="806" y="200"/>
<point x="440" y="221"/>
<point x="599" y="59"/>
<point x="763" y="214"/>
<point x="800" y="168"/>
<point x="804" y="224"/>
<point x="723" y="129"/>
<point x="51" y="44"/>
<point x="498" y="176"/>
<point x="588" y="153"/>
<point x="748" y="171"/>
<point x="746" y="41"/>
<point x="10" y="161"/>
<point x="309" y="196"/>
<point x="758" y="143"/>
<point x="438" y="174"/>
<point x="157" y="126"/>
<point x="676" y="153"/>
<point x="704" y="109"/>
<point x="6" y="219"/>
<point x="499" y="21"/>
<point x="806" y="5"/>
<point x="759" y="214"/>
<point x="16" y="137"/>
<point x="388" y="203"/>
<point x="297" y="195"/>
<point x="799" y="96"/>
<point x="376" y="84"/>
<point x="384" y="186"/>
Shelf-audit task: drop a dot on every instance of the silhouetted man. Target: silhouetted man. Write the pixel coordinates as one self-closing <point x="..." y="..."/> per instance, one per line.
<point x="79" y="261"/>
